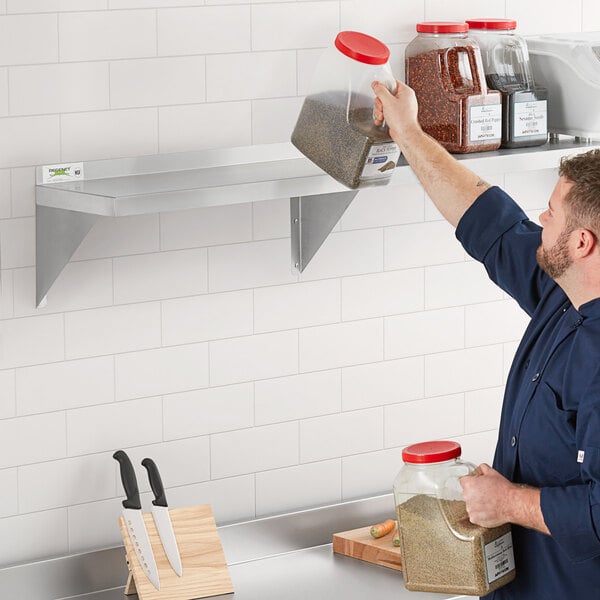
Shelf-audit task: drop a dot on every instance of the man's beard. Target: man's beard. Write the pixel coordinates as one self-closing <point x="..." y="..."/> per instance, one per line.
<point x="556" y="260"/>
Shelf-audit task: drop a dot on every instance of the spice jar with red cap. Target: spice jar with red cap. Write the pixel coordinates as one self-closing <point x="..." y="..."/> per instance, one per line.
<point x="444" y="68"/>
<point x="441" y="550"/>
<point x="507" y="69"/>
<point x="335" y="128"/>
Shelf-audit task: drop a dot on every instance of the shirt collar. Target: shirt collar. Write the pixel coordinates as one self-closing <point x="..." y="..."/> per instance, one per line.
<point x="590" y="309"/>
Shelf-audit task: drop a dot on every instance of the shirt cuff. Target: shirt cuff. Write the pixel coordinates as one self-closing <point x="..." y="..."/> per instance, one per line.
<point x="571" y="520"/>
<point x="492" y="214"/>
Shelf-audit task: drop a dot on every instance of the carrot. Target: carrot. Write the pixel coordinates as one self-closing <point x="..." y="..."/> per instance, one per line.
<point x="382" y="529"/>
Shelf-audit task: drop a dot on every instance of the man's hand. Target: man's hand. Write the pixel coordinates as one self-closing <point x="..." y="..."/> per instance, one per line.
<point x="399" y="110"/>
<point x="486" y="494"/>
<point x="451" y="186"/>
<point x="493" y="500"/>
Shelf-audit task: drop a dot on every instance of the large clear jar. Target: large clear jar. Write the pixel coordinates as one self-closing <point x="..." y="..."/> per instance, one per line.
<point x="507" y="69"/>
<point x="442" y="551"/>
<point x="335" y="128"/>
<point x="443" y="67"/>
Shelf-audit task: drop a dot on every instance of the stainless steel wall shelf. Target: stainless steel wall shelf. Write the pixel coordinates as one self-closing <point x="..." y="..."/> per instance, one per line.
<point x="160" y="183"/>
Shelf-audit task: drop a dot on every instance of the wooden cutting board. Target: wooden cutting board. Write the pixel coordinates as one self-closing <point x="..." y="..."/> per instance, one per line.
<point x="359" y="543"/>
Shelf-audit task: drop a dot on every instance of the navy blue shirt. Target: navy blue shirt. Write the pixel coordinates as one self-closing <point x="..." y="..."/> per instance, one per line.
<point x="549" y="433"/>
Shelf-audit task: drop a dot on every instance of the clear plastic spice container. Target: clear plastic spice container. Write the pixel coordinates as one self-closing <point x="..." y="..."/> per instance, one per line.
<point x="442" y="551"/>
<point x="443" y="66"/>
<point x="568" y="64"/>
<point x="507" y="69"/>
<point x="335" y="127"/>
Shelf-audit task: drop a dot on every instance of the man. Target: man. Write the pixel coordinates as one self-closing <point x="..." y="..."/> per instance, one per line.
<point x="546" y="475"/>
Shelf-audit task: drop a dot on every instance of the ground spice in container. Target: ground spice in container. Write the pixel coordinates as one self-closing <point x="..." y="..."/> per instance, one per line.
<point x="343" y="140"/>
<point x="470" y="560"/>
<point x="452" y="107"/>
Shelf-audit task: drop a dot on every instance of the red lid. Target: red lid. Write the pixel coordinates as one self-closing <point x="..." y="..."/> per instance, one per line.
<point x="491" y="23"/>
<point x="431" y="452"/>
<point x="442" y="27"/>
<point x="362" y="47"/>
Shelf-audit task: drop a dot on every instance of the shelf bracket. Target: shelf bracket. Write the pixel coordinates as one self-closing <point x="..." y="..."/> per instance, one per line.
<point x="58" y="233"/>
<point x="312" y="219"/>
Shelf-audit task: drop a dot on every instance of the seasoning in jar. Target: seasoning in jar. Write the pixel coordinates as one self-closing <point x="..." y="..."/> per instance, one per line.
<point x="443" y="67"/>
<point x="442" y="551"/>
<point x="506" y="64"/>
<point x="335" y="128"/>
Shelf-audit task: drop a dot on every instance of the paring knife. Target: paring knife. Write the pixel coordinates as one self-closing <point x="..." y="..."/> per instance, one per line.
<point x="134" y="520"/>
<point x="160" y="512"/>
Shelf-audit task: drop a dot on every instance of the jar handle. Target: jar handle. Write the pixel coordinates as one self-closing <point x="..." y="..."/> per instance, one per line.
<point x="447" y="78"/>
<point x="448" y="495"/>
<point x="392" y="88"/>
<point x="451" y="488"/>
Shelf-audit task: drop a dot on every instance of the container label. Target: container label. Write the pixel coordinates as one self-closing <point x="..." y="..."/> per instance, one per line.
<point x="485" y="123"/>
<point x="64" y="172"/>
<point x="499" y="557"/>
<point x="530" y="118"/>
<point x="381" y="161"/>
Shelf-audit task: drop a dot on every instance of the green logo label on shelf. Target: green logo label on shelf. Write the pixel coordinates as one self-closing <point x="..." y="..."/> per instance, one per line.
<point x="64" y="172"/>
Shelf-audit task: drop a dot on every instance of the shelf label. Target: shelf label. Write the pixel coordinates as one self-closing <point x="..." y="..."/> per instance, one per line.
<point x="62" y="172"/>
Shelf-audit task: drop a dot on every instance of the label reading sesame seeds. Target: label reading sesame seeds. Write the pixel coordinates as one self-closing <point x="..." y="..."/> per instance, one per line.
<point x="499" y="557"/>
<point x="485" y="123"/>
<point x="530" y="118"/>
<point x="381" y="161"/>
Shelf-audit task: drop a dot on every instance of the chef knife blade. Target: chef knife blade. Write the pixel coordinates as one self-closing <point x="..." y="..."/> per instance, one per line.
<point x="160" y="511"/>
<point x="134" y="520"/>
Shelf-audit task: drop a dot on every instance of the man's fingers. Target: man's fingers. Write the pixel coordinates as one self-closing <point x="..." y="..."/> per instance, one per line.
<point x="381" y="91"/>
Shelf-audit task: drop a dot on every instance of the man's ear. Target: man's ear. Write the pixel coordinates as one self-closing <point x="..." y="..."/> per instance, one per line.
<point x="586" y="242"/>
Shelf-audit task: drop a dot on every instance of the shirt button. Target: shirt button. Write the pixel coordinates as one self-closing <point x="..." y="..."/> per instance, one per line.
<point x="565" y="309"/>
<point x="513" y="441"/>
<point x="535" y="377"/>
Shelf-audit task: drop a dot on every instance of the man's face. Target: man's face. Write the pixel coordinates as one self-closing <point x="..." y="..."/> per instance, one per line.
<point x="553" y="254"/>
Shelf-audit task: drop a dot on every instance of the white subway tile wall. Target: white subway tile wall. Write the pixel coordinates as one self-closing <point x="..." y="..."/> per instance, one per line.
<point x="187" y="336"/>
<point x="6" y="294"/>
<point x="5" y="189"/>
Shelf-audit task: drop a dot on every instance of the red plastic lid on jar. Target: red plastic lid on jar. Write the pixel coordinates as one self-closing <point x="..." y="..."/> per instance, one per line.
<point x="442" y="27"/>
<point x="431" y="452"/>
<point x="362" y="47"/>
<point x="491" y="24"/>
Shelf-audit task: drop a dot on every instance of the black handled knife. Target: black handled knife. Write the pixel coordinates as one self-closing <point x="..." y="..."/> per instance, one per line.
<point x="162" y="518"/>
<point x="134" y="520"/>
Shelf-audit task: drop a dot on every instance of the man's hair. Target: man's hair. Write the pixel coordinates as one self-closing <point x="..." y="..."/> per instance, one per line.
<point x="583" y="199"/>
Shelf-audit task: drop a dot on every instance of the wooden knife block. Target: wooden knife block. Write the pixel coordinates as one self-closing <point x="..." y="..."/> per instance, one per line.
<point x="205" y="571"/>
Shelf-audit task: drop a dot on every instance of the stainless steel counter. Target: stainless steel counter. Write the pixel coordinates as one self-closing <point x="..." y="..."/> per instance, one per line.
<point x="284" y="557"/>
<point x="310" y="574"/>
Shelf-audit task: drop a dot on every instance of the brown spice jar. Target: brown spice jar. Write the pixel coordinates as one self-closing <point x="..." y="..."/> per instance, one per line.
<point x="446" y="98"/>
<point x="435" y="558"/>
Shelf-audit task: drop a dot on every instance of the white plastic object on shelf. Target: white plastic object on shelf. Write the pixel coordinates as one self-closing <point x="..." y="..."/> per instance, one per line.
<point x="568" y="64"/>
